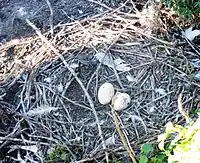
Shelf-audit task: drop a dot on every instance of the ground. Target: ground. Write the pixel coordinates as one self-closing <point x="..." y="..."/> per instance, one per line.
<point x="49" y="81"/>
<point x="14" y="12"/>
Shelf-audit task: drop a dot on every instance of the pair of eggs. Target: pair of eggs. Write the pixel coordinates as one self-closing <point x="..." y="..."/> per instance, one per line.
<point x="106" y="94"/>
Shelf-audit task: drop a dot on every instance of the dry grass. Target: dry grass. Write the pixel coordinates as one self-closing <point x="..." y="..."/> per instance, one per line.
<point x="75" y="119"/>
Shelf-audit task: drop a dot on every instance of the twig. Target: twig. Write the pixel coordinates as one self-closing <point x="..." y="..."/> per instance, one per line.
<point x="192" y="46"/>
<point x="116" y="74"/>
<point x="77" y="79"/>
<point x="152" y="37"/>
<point x="101" y="4"/>
<point x="122" y="136"/>
<point x="51" y="16"/>
<point x="25" y="141"/>
<point x="62" y="96"/>
<point x="181" y="110"/>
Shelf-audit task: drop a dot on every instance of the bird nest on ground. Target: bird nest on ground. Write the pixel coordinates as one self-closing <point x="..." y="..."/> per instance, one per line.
<point x="49" y="86"/>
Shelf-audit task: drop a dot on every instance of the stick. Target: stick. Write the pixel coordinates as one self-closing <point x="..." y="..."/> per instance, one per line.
<point x="51" y="16"/>
<point x="77" y="79"/>
<point x="122" y="136"/>
<point x="181" y="110"/>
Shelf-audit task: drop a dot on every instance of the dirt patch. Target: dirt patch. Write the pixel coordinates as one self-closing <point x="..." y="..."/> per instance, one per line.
<point x="13" y="14"/>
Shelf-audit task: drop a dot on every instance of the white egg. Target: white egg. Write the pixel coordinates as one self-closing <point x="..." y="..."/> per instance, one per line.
<point x="121" y="101"/>
<point x="105" y="93"/>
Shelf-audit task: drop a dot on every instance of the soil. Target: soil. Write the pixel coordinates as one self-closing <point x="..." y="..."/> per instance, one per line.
<point x="14" y="12"/>
<point x="13" y="26"/>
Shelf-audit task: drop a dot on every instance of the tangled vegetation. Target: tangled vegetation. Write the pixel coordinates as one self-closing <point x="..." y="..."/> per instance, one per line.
<point x="177" y="144"/>
<point x="51" y="93"/>
<point x="185" y="8"/>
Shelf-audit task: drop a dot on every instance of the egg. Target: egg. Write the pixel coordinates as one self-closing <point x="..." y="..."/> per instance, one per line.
<point x="105" y="93"/>
<point x="121" y="101"/>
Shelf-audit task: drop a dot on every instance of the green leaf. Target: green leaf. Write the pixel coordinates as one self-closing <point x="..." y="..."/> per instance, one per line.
<point x="159" y="158"/>
<point x="168" y="3"/>
<point x="147" y="148"/>
<point x="143" y="159"/>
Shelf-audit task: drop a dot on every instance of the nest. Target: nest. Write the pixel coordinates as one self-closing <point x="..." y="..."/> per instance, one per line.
<point x="49" y="86"/>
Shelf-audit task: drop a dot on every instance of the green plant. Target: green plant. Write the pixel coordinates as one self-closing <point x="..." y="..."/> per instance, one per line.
<point x="150" y="154"/>
<point x="59" y="154"/>
<point x="177" y="144"/>
<point x="185" y="8"/>
<point x="184" y="142"/>
<point x="146" y="150"/>
<point x="195" y="112"/>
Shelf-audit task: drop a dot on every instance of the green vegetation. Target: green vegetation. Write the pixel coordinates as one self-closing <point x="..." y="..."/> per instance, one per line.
<point x="150" y="154"/>
<point x="195" y="113"/>
<point x="184" y="144"/>
<point x="59" y="154"/>
<point x="177" y="144"/>
<point x="146" y="150"/>
<point x="185" y="8"/>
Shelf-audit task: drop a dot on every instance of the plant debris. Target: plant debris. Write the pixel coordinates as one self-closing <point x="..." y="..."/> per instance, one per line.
<point x="49" y="87"/>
